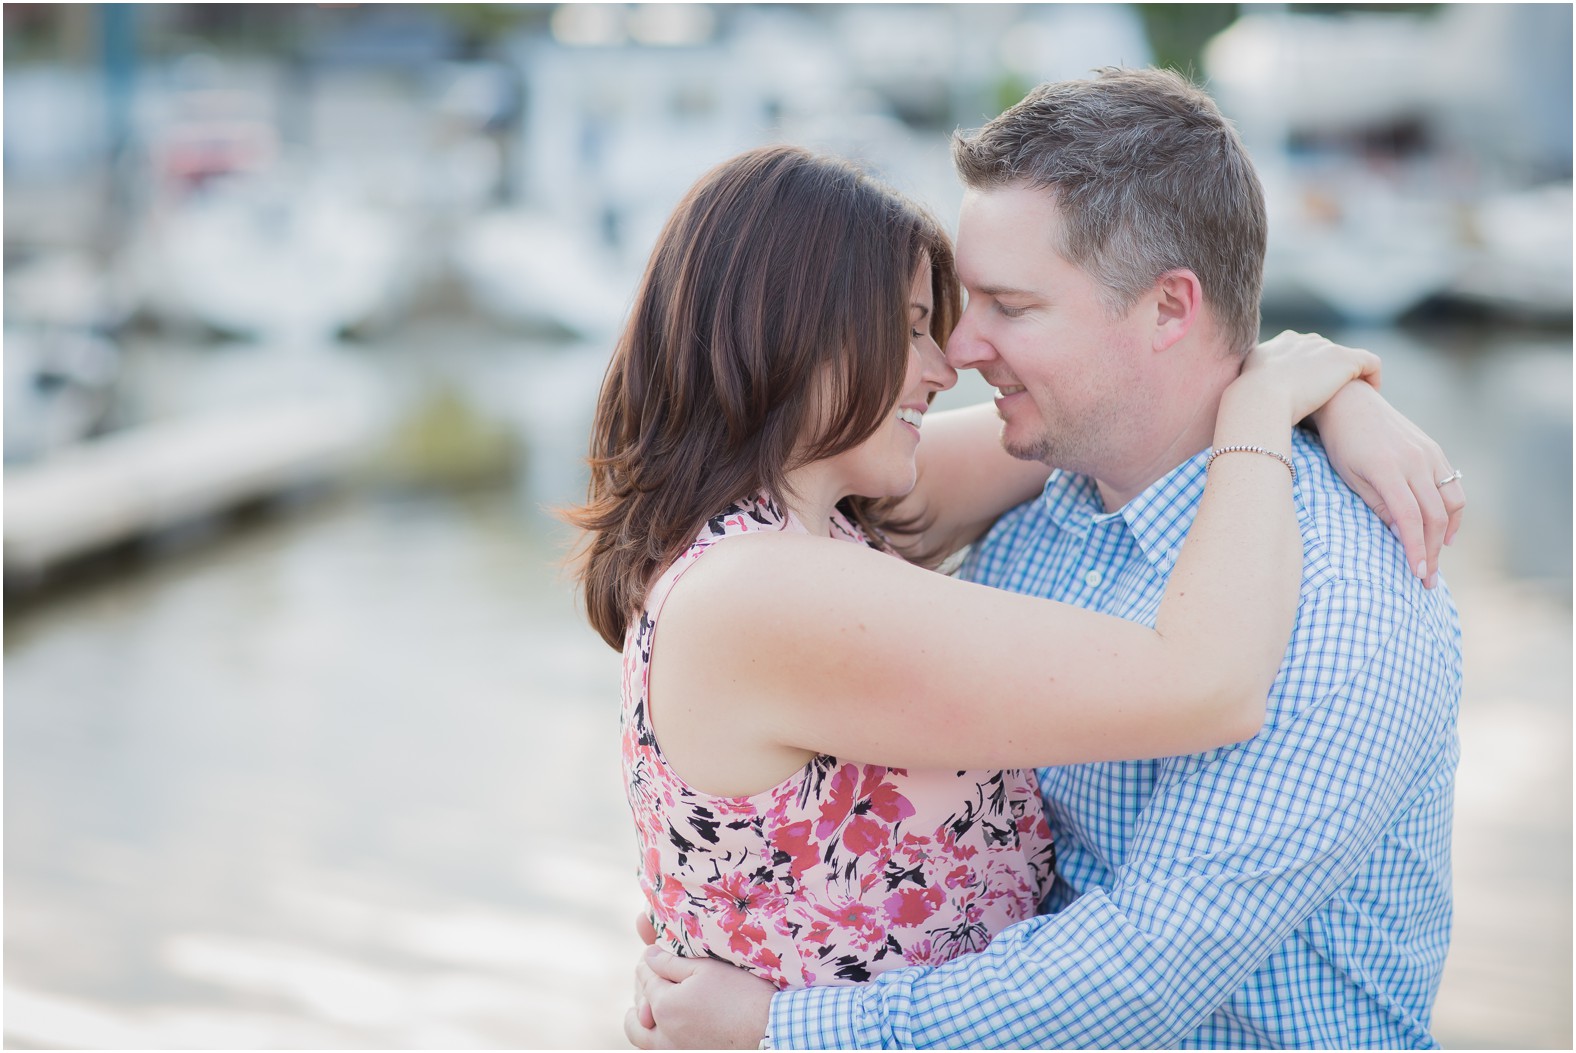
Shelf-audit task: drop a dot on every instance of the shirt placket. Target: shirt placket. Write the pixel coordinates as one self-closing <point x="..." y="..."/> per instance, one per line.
<point x="1096" y="803"/>
<point x="1090" y="579"/>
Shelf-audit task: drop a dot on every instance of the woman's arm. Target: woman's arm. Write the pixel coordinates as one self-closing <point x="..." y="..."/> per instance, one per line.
<point x="810" y="644"/>
<point x="966" y="480"/>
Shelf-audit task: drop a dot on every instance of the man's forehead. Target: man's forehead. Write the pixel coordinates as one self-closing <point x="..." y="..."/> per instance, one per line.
<point x="1012" y="197"/>
<point x="1001" y="233"/>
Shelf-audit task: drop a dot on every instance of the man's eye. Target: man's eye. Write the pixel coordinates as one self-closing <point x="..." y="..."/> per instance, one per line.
<point x="1010" y="312"/>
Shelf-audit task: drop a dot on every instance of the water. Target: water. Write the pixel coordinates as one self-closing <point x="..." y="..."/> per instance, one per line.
<point x="347" y="780"/>
<point x="346" y="775"/>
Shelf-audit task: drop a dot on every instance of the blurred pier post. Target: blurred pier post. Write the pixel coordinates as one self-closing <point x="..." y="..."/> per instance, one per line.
<point x="118" y="56"/>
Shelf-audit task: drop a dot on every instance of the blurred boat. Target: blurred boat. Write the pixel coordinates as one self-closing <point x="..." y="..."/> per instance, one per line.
<point x="62" y="365"/>
<point x="59" y="388"/>
<point x="275" y="255"/>
<point x="527" y="269"/>
<point x="1360" y="247"/>
<point x="245" y="231"/>
<point x="1396" y="149"/>
<point x="1520" y="257"/>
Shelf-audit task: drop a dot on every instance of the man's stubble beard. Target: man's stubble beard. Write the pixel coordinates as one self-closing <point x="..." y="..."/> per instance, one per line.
<point x="1085" y="449"/>
<point x="1047" y="449"/>
<point x="1039" y="450"/>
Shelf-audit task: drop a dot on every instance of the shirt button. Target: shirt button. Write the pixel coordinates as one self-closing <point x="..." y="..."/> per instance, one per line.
<point x="1092" y="578"/>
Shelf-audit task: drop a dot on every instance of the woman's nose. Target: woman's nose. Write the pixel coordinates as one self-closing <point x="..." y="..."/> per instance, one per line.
<point x="938" y="372"/>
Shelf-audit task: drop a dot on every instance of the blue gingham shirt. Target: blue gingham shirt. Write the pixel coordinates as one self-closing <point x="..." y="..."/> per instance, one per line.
<point x="1289" y="891"/>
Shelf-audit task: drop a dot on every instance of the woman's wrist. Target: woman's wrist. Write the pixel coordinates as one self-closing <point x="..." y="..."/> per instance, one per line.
<point x="1350" y="399"/>
<point x="1254" y="413"/>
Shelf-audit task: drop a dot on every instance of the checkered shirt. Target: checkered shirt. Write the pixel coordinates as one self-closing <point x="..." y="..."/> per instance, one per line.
<point x="1289" y="891"/>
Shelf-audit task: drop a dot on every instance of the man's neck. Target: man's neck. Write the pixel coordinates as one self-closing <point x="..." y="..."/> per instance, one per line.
<point x="1115" y="495"/>
<point x="1195" y="434"/>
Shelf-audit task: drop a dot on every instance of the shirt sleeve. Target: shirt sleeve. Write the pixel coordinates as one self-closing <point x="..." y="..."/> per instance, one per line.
<point x="1236" y="848"/>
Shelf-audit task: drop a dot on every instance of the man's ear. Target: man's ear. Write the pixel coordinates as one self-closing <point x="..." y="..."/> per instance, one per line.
<point x="1179" y="300"/>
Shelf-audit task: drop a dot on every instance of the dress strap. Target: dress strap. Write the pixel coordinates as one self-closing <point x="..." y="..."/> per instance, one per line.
<point x="742" y="517"/>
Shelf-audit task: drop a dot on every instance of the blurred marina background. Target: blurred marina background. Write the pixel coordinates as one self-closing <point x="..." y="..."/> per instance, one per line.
<point x="306" y="306"/>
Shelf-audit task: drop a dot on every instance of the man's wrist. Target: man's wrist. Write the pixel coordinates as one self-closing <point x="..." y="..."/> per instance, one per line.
<point x="819" y="1018"/>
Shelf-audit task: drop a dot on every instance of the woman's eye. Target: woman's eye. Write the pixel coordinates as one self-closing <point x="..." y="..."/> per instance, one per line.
<point x="917" y="335"/>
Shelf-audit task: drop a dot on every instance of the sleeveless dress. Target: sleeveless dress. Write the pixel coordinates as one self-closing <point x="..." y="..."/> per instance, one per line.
<point x="843" y="870"/>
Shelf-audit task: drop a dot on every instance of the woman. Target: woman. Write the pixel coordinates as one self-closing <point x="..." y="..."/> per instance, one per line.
<point x="769" y="393"/>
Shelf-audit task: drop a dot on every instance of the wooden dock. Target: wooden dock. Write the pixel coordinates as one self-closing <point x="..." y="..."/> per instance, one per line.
<point x="98" y="493"/>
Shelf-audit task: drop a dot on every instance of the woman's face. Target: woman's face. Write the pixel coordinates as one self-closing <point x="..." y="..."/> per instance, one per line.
<point x="883" y="465"/>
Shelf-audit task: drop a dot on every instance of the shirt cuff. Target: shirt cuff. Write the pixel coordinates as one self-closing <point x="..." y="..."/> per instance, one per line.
<point x="819" y="1018"/>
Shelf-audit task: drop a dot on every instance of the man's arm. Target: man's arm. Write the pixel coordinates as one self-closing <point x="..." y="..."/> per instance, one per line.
<point x="1236" y="850"/>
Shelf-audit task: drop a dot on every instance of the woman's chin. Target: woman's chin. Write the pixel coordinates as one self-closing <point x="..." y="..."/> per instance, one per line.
<point x="899" y="483"/>
<point x="886" y="493"/>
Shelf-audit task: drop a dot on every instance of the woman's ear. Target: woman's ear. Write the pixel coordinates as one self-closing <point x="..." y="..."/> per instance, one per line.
<point x="1178" y="298"/>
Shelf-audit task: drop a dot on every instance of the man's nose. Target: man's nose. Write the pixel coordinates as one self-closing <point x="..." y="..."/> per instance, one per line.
<point x="965" y="349"/>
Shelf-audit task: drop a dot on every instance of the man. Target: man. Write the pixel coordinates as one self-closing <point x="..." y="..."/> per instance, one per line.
<point x="1292" y="890"/>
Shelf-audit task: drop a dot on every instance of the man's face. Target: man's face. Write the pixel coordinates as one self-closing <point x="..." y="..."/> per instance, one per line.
<point x="1071" y="379"/>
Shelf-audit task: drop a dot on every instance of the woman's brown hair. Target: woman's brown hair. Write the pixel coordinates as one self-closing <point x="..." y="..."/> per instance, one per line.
<point x="771" y="329"/>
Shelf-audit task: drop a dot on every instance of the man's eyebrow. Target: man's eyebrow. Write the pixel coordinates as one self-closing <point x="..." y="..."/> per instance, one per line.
<point x="999" y="291"/>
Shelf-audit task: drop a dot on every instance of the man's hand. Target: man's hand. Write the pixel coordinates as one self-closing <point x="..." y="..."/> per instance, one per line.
<point x="696" y="1003"/>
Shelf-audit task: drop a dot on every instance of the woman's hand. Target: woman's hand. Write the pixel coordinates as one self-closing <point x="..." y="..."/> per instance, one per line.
<point x="1305" y="369"/>
<point x="1397" y="469"/>
<point x="1400" y="472"/>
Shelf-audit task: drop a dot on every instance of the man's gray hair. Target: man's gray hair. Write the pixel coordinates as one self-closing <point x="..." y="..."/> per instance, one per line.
<point x="1148" y="177"/>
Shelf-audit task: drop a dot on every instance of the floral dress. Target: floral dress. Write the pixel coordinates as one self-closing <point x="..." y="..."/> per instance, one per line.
<point x="843" y="870"/>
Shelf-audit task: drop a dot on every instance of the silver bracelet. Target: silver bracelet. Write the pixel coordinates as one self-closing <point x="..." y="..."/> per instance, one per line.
<point x="1216" y="451"/>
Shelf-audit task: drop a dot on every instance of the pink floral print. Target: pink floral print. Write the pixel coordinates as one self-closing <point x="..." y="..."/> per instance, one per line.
<point x="843" y="870"/>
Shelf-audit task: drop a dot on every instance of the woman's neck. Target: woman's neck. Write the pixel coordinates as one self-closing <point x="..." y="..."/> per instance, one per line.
<point x="814" y="497"/>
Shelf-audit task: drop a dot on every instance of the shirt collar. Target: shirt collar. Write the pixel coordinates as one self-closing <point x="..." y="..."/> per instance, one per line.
<point x="1158" y="518"/>
<point x="1072" y="501"/>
